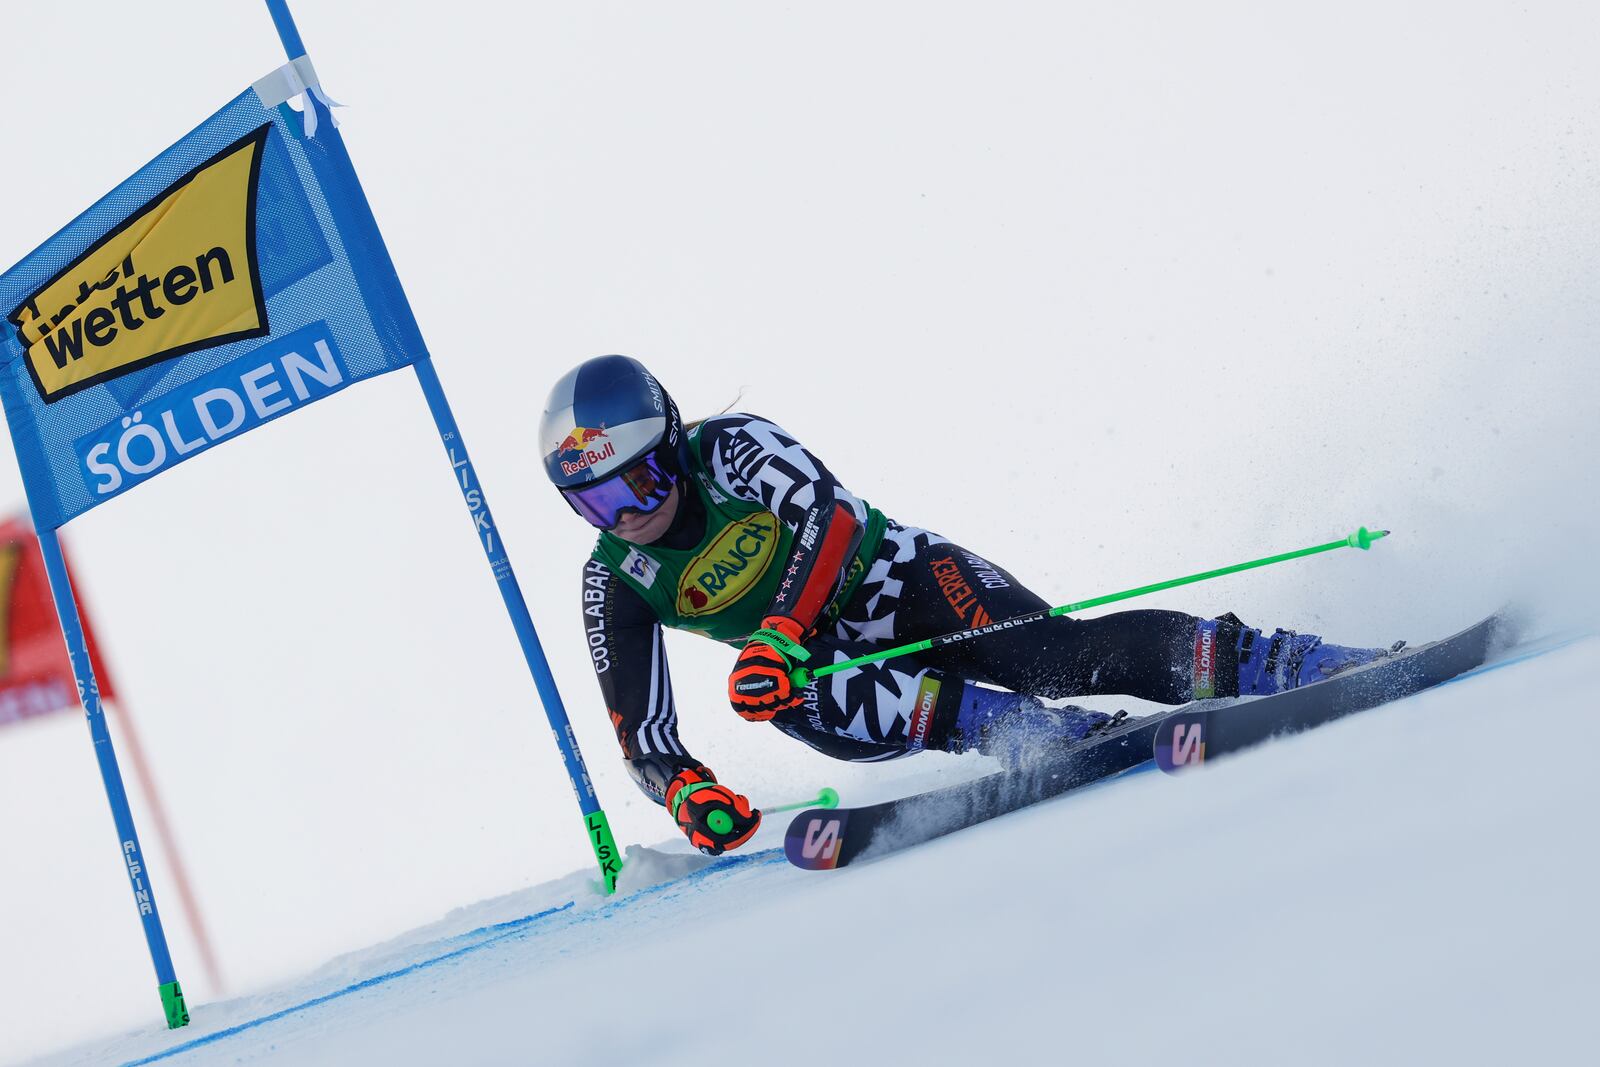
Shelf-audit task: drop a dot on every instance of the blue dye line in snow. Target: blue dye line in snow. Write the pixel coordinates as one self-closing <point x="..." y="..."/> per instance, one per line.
<point x="356" y="987"/>
<point x="497" y="932"/>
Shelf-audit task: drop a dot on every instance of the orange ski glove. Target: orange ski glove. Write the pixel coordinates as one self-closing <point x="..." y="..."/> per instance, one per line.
<point x="713" y="817"/>
<point x="759" y="686"/>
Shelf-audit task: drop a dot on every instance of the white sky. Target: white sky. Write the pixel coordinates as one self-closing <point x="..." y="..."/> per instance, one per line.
<point x="1108" y="296"/>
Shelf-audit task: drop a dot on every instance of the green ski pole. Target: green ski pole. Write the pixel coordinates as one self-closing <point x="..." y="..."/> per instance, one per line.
<point x="827" y="798"/>
<point x="801" y="675"/>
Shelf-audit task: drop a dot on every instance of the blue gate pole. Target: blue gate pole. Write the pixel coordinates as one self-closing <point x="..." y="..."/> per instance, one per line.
<point x="132" y="855"/>
<point x="599" y="829"/>
<point x="594" y="818"/>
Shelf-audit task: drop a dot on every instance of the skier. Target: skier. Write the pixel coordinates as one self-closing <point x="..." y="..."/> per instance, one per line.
<point x="730" y="526"/>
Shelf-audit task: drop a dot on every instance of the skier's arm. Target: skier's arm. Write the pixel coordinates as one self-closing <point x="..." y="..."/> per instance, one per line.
<point x="758" y="461"/>
<point x="630" y="661"/>
<point x="759" y="686"/>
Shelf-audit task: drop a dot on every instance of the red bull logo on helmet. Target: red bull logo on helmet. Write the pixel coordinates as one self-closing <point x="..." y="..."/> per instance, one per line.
<point x="578" y="442"/>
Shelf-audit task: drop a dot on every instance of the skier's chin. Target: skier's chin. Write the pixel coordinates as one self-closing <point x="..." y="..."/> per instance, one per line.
<point x="640" y="529"/>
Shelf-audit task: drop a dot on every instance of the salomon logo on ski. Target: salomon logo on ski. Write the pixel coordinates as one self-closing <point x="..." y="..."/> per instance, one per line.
<point x="815" y="841"/>
<point x="1181" y="742"/>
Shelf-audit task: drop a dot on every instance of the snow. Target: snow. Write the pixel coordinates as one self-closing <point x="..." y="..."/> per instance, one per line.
<point x="1406" y="885"/>
<point x="1108" y="294"/>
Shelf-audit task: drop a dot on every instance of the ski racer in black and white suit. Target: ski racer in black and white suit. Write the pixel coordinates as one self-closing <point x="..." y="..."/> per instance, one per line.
<point x="732" y="527"/>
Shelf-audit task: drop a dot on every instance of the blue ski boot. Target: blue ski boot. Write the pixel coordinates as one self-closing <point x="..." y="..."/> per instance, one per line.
<point x="1286" y="660"/>
<point x="1008" y="726"/>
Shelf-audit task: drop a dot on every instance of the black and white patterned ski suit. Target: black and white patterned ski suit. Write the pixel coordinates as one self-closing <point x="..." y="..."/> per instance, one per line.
<point x="918" y="585"/>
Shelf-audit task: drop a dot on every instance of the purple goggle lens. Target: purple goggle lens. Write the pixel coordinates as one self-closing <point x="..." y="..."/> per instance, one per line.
<point x="643" y="487"/>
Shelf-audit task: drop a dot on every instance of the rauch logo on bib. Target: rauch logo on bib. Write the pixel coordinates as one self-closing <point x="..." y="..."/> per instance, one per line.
<point x="729" y="567"/>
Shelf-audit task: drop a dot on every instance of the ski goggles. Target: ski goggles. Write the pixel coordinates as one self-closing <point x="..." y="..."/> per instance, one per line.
<point x="643" y="487"/>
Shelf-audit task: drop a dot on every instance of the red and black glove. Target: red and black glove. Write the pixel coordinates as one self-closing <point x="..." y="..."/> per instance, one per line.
<point x="713" y="817"/>
<point x="759" y="686"/>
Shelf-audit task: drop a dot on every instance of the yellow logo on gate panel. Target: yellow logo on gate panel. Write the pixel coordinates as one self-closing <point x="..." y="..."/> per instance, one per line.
<point x="730" y="566"/>
<point x="176" y="276"/>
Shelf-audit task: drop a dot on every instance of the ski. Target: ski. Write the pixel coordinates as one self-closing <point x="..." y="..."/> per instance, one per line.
<point x="822" y="839"/>
<point x="1191" y="735"/>
<point x="825" y="839"/>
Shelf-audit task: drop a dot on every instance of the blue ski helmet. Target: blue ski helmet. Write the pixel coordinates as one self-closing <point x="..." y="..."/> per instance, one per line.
<point x="611" y="435"/>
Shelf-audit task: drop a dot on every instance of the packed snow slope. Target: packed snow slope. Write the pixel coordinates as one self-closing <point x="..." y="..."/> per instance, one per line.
<point x="1412" y="884"/>
<point x="1107" y="293"/>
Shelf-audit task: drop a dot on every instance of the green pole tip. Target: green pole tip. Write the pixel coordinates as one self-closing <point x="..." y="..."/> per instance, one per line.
<point x="172" y="1002"/>
<point x="605" y="849"/>
<point x="800" y="677"/>
<point x="828" y="798"/>
<point x="1364" y="537"/>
